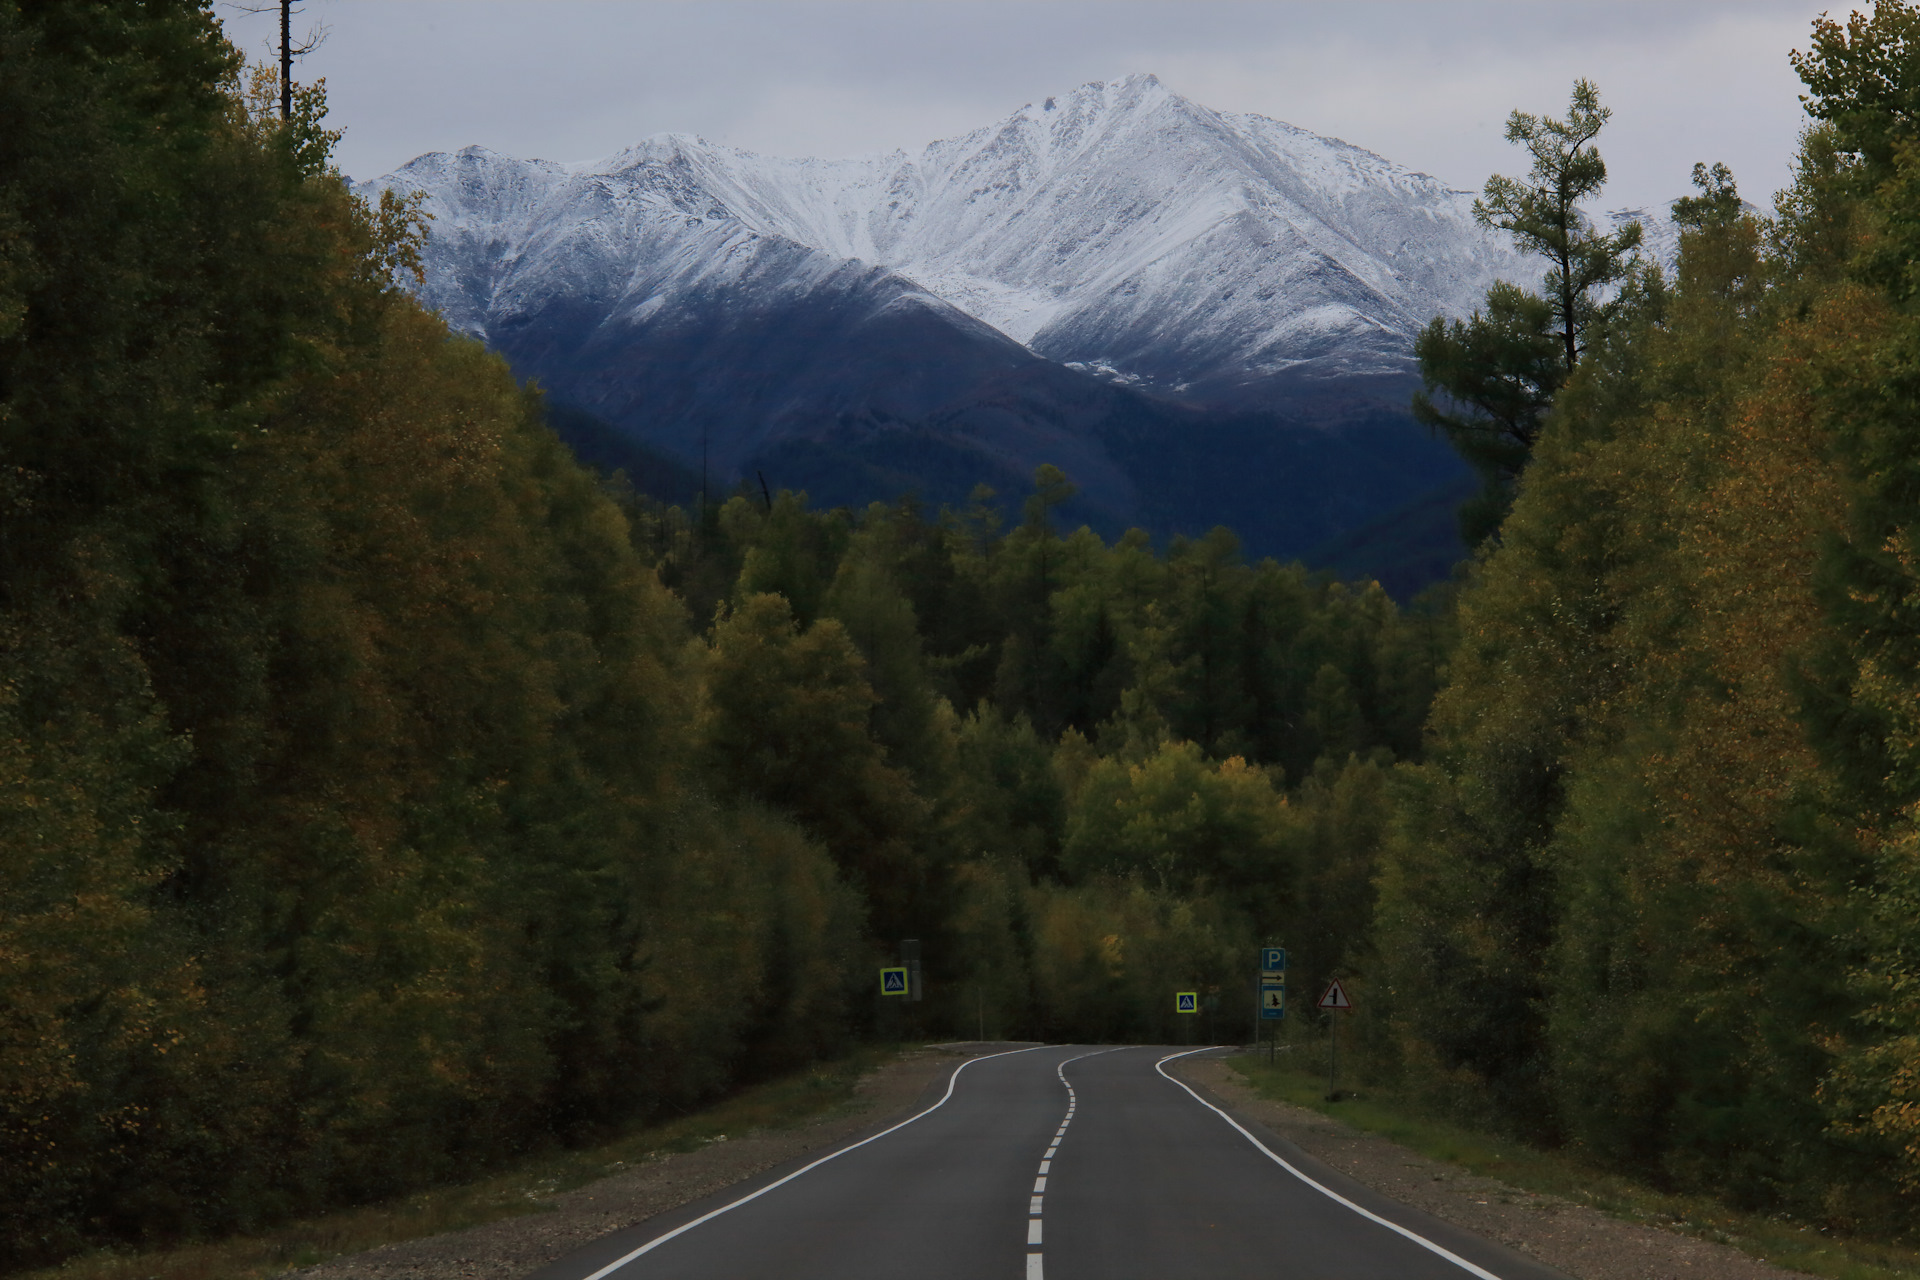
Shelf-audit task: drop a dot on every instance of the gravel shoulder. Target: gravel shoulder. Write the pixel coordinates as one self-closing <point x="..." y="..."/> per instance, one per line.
<point x="513" y="1247"/>
<point x="1573" y="1238"/>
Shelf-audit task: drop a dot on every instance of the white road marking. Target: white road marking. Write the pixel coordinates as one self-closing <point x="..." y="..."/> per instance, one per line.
<point x="659" y="1240"/>
<point x="1328" y="1192"/>
<point x="1040" y="1183"/>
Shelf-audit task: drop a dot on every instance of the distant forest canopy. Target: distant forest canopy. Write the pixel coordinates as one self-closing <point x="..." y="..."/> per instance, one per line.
<point x="383" y="794"/>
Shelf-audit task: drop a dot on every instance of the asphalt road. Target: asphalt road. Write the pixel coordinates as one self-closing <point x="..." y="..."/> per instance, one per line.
<point x="1058" y="1163"/>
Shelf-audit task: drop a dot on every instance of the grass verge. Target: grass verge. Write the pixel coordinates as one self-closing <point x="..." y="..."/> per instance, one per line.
<point x="1400" y="1119"/>
<point x="821" y="1090"/>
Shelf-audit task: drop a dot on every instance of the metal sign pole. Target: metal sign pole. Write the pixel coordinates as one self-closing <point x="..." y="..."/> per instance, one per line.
<point x="1333" y="1058"/>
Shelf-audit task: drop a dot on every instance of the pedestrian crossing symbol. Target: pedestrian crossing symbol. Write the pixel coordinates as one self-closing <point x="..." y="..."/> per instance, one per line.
<point x="893" y="982"/>
<point x="1186" y="1002"/>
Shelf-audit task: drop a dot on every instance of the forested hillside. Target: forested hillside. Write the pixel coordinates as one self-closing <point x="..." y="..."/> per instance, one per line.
<point x="383" y="794"/>
<point x="1652" y="893"/>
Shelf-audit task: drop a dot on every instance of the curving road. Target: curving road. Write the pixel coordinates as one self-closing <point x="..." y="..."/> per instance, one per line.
<point x="1054" y="1163"/>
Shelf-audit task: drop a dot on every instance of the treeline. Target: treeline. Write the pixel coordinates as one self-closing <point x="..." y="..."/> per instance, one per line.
<point x="341" y="727"/>
<point x="1111" y="816"/>
<point x="1653" y="894"/>
<point x="383" y="795"/>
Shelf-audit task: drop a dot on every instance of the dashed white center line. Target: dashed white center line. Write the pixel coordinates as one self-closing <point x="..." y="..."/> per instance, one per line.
<point x="1046" y="1163"/>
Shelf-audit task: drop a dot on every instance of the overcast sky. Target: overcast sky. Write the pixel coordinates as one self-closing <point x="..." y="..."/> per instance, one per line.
<point x="1427" y="85"/>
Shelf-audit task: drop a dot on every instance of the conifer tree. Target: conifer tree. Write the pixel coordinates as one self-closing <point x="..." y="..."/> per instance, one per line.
<point x="1543" y="214"/>
<point x="1498" y="371"/>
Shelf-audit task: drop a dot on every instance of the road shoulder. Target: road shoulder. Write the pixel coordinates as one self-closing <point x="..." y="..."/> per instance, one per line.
<point x="515" y="1247"/>
<point x="1572" y="1238"/>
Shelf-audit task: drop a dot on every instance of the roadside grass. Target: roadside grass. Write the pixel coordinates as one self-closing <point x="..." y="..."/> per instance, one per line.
<point x="1401" y="1119"/>
<point x="823" y="1090"/>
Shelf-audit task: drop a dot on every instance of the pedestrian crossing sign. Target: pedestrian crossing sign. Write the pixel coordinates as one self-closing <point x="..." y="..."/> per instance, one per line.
<point x="1186" y="1002"/>
<point x="893" y="982"/>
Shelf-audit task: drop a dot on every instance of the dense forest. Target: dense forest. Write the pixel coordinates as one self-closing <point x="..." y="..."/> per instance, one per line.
<point x="384" y="794"/>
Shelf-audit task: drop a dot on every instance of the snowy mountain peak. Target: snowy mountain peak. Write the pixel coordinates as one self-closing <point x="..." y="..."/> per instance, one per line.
<point x="1116" y="226"/>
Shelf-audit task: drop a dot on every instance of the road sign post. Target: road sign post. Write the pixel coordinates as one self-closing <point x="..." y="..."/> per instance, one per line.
<point x="1271" y="995"/>
<point x="1334" y="999"/>
<point x="910" y="960"/>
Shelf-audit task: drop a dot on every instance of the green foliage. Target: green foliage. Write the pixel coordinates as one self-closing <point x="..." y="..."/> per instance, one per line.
<point x="1177" y="823"/>
<point x="1109" y="956"/>
<point x="1661" y="841"/>
<point x="1863" y="82"/>
<point x="787" y="725"/>
<point x="350" y="833"/>
<point x="1498" y="371"/>
<point x="1861" y="689"/>
<point x="1543" y="214"/>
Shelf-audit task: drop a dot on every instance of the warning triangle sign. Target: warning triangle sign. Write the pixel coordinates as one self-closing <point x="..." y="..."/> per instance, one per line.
<point x="1335" y="997"/>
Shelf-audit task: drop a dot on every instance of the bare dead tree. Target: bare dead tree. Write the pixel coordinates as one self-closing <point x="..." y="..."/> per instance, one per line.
<point x="314" y="38"/>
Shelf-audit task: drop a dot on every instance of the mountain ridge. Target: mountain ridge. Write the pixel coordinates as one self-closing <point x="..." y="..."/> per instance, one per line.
<point x="1117" y="280"/>
<point x="1054" y="225"/>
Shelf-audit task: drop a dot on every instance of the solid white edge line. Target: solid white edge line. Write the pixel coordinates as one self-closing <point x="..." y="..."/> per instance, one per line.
<point x="659" y="1240"/>
<point x="1326" y="1191"/>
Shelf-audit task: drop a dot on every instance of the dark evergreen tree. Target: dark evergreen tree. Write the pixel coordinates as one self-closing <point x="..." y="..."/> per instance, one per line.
<point x="1498" y="372"/>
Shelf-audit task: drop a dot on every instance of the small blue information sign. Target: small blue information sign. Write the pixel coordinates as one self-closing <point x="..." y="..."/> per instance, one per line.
<point x="1273" y="960"/>
<point x="893" y="982"/>
<point x="1273" y="1001"/>
<point x="1186" y="1002"/>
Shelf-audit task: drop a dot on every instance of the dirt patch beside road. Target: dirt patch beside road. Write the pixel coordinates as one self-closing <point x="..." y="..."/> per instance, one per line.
<point x="1574" y="1238"/>
<point x="512" y="1247"/>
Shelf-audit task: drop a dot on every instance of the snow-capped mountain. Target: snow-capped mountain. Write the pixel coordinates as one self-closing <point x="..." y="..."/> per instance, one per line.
<point x="1121" y="228"/>
<point x="1202" y="317"/>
